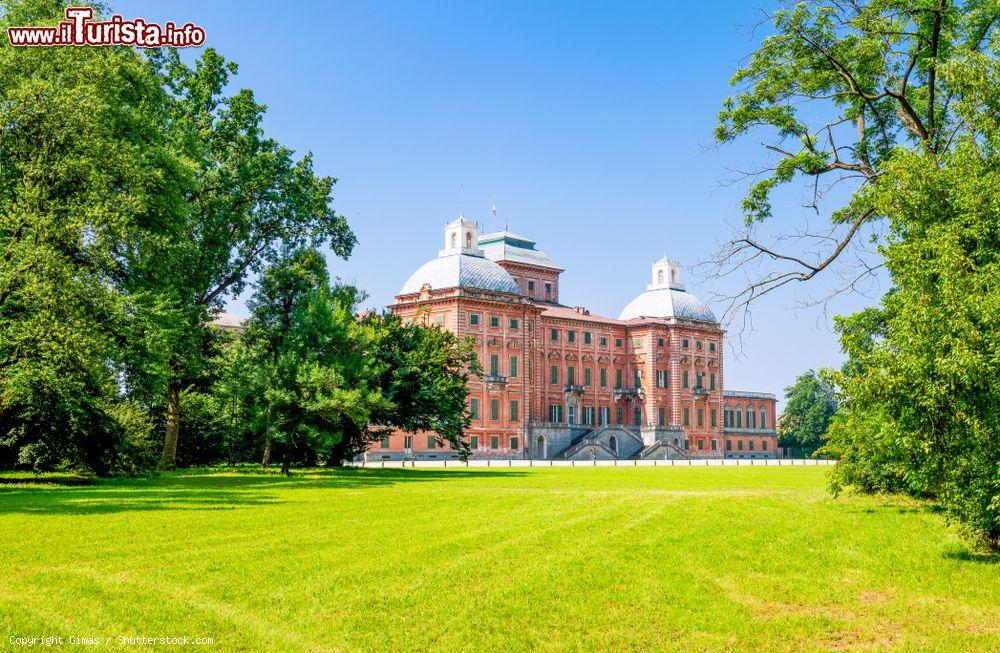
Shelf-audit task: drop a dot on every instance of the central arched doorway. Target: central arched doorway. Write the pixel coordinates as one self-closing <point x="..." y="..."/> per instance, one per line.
<point x="541" y="447"/>
<point x="613" y="444"/>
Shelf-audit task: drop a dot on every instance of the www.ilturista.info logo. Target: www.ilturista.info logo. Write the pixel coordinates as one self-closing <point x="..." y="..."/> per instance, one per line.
<point x="78" y="29"/>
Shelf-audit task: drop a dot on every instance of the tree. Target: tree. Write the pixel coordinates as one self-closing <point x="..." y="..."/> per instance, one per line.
<point x="840" y="91"/>
<point x="84" y="175"/>
<point x="252" y="202"/>
<point x="423" y="373"/>
<point x="899" y="101"/>
<point x="313" y="360"/>
<point x="810" y="406"/>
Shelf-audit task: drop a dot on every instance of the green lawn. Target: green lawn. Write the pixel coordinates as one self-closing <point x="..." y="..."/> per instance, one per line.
<point x="740" y="558"/>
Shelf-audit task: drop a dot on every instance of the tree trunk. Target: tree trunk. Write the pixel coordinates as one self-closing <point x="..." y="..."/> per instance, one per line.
<point x="169" y="458"/>
<point x="286" y="464"/>
<point x="266" y="460"/>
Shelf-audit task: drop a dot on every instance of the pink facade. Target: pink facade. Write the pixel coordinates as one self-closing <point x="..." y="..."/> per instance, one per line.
<point x="558" y="381"/>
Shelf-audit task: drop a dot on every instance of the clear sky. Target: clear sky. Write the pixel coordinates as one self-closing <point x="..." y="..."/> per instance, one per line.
<point x="591" y="121"/>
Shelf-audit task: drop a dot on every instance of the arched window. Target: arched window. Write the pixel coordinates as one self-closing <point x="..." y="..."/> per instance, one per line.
<point x="751" y="419"/>
<point x="763" y="418"/>
<point x="613" y="444"/>
<point x="673" y="276"/>
<point x="739" y="417"/>
<point x="659" y="276"/>
<point x="454" y="240"/>
<point x="468" y="240"/>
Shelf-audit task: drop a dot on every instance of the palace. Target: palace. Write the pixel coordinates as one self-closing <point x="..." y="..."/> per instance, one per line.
<point x="560" y="382"/>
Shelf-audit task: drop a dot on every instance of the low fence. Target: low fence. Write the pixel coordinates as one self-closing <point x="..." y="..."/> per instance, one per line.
<point x="520" y="462"/>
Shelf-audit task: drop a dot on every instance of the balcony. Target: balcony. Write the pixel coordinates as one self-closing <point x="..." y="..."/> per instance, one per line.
<point x="496" y="381"/>
<point x="701" y="392"/>
<point x="627" y="394"/>
<point x="574" y="389"/>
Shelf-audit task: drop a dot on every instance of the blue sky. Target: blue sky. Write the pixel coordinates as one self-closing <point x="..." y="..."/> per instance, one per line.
<point x="592" y="122"/>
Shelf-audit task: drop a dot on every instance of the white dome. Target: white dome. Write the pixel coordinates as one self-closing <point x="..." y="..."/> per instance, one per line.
<point x="462" y="271"/>
<point x="668" y="302"/>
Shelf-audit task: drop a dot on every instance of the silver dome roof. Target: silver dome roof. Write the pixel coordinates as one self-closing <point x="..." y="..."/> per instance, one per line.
<point x="668" y="302"/>
<point x="462" y="271"/>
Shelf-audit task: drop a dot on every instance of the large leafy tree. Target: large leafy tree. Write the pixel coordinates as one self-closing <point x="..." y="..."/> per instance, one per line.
<point x="811" y="404"/>
<point x="252" y="202"/>
<point x="85" y="177"/>
<point x="422" y="372"/>
<point x="897" y="102"/>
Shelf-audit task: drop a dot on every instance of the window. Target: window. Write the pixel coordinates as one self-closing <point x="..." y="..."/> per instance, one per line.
<point x="556" y="413"/>
<point x="571" y="375"/>
<point x="513" y="367"/>
<point x="763" y="418"/>
<point x="636" y="342"/>
<point x="618" y="342"/>
<point x="572" y="415"/>
<point x="714" y="417"/>
<point x="514" y="410"/>
<point x="763" y="445"/>
<point x="637" y="416"/>
<point x="571" y="336"/>
<point x="729" y="445"/>
<point x="739" y="445"/>
<point x="514" y="443"/>
<point x="604" y="414"/>
<point x="548" y="289"/>
<point x="618" y="379"/>
<point x="494" y="321"/>
<point x="531" y="286"/>
<point x="494" y="442"/>
<point x="751" y="419"/>
<point x="431" y="442"/>
<point x="618" y="415"/>
<point x="659" y="342"/>
<point x="697" y="344"/>
<point x="494" y="409"/>
<point x="715" y="445"/>
<point x="586" y="337"/>
<point x="701" y="445"/>
<point x="661" y="416"/>
<point x="554" y="375"/>
<point x="739" y="418"/>
<point x="513" y="323"/>
<point x="712" y="380"/>
<point x="385" y="442"/>
<point x="711" y="346"/>
<point x="474" y="408"/>
<point x="554" y="335"/>
<point x="637" y="378"/>
<point x="494" y="364"/>
<point x="687" y="445"/>
<point x="684" y="379"/>
<point x="588" y="415"/>
<point x="586" y="376"/>
<point x="661" y="378"/>
<point x="701" y="417"/>
<point x="604" y="377"/>
<point x="407" y="442"/>
<point x="474" y="442"/>
<point x="684" y="343"/>
<point x="473" y="319"/>
<point x="468" y="240"/>
<point x="751" y="445"/>
<point x="604" y="341"/>
<point x="687" y="417"/>
<point x="698" y="376"/>
<point x="439" y="320"/>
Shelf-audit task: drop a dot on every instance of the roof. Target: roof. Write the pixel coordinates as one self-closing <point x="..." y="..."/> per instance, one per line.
<point x="571" y="313"/>
<point x="461" y="271"/>
<point x="507" y="246"/>
<point x="667" y="302"/>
